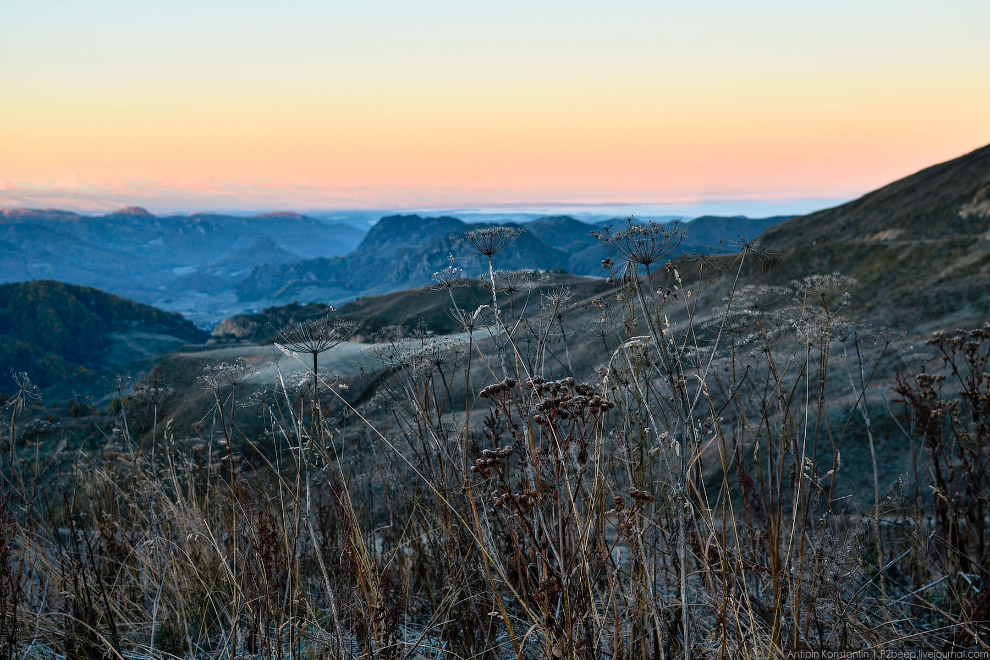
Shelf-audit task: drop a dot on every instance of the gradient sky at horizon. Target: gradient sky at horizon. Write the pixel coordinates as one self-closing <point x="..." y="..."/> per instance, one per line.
<point x="186" y="105"/>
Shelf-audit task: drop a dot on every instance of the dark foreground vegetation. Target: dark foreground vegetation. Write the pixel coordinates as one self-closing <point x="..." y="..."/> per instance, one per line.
<point x="667" y="480"/>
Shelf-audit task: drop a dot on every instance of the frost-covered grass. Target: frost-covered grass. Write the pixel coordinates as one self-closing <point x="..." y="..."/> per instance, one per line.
<point x="691" y="495"/>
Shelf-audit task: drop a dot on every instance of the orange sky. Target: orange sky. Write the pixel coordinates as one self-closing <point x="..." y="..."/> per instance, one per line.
<point x="320" y="105"/>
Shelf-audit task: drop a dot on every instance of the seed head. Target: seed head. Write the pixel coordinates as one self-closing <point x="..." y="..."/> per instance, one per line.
<point x="214" y="376"/>
<point x="831" y="289"/>
<point x="487" y="241"/>
<point x="450" y="277"/>
<point x="317" y="335"/>
<point x="154" y="393"/>
<point x="516" y="280"/>
<point x="27" y="391"/>
<point x="642" y="244"/>
<point x="559" y="297"/>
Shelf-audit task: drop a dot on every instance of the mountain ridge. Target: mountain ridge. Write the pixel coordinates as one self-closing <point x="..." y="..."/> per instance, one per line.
<point x="918" y="248"/>
<point x="155" y="252"/>
<point x="403" y="251"/>
<point x="931" y="203"/>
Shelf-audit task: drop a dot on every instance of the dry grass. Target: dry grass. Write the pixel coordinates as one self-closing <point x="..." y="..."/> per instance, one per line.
<point x="687" y="500"/>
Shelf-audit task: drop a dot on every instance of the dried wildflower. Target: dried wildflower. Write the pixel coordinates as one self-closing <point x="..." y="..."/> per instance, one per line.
<point x="491" y="458"/>
<point x="388" y="349"/>
<point x="625" y="528"/>
<point x="316" y="335"/>
<point x="642" y="244"/>
<point x="519" y="503"/>
<point x="558" y="297"/>
<point x="744" y="246"/>
<point x="154" y="393"/>
<point x="761" y="297"/>
<point x="26" y="392"/>
<point x="450" y="277"/>
<point x="566" y="399"/>
<point x="641" y="497"/>
<point x="468" y="320"/>
<point x="423" y="359"/>
<point x="704" y="258"/>
<point x="487" y="241"/>
<point x="831" y="289"/>
<point x="599" y="330"/>
<point x="420" y="358"/>
<point x="442" y="351"/>
<point x="812" y="325"/>
<point x="516" y="280"/>
<point x="215" y="376"/>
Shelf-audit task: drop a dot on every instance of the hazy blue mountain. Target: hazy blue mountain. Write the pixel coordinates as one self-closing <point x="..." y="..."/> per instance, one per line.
<point x="704" y="235"/>
<point x="408" y="231"/>
<point x="918" y="249"/>
<point x="139" y="255"/>
<point x="403" y="251"/>
<point x="222" y="274"/>
<point x="714" y="233"/>
<point x="208" y="266"/>
<point x="398" y="253"/>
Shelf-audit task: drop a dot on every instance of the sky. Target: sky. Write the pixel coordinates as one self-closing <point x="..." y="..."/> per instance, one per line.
<point x="756" y="105"/>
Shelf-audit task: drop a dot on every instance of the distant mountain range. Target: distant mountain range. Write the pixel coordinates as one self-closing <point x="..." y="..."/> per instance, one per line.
<point x="156" y="259"/>
<point x="210" y="266"/>
<point x="403" y="251"/>
<point x="919" y="249"/>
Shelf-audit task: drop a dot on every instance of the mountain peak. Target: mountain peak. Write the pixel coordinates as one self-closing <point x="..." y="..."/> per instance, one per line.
<point x="136" y="211"/>
<point x="403" y="230"/>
